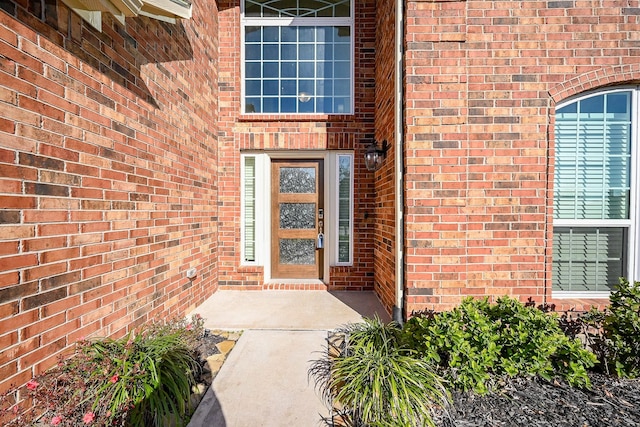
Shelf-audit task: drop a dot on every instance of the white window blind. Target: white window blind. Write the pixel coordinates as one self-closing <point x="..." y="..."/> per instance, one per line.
<point x="587" y="259"/>
<point x="345" y="202"/>
<point x="249" y="207"/>
<point x="593" y="153"/>
<point x="592" y="192"/>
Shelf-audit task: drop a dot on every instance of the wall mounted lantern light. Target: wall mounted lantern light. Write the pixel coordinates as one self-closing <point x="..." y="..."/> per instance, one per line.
<point x="374" y="156"/>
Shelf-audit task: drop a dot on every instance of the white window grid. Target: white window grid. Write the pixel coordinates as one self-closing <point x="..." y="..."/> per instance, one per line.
<point x="309" y="103"/>
<point x="301" y="8"/>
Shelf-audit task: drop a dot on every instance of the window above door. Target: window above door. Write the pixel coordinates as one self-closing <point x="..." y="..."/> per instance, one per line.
<point x="297" y="57"/>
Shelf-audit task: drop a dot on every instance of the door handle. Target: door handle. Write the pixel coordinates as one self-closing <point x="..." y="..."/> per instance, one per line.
<point x="320" y="239"/>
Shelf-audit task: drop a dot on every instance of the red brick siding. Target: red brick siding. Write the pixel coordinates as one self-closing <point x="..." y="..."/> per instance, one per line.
<point x="107" y="177"/>
<point x="110" y="148"/>
<point x="246" y="132"/>
<point x="385" y="231"/>
<point x="435" y="154"/>
<point x="482" y="81"/>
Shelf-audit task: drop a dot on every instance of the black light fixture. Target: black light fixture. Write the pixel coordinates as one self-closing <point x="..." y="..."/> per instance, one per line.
<point x="374" y="156"/>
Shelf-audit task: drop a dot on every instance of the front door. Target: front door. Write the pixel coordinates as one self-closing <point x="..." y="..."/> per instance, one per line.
<point x="297" y="219"/>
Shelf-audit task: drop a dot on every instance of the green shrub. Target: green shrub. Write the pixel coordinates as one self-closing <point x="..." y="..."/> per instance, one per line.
<point x="136" y="380"/>
<point x="377" y="382"/>
<point x="464" y="340"/>
<point x="615" y="332"/>
<point x="477" y="342"/>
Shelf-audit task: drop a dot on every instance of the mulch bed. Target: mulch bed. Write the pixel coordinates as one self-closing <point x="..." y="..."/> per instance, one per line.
<point x="207" y="344"/>
<point x="534" y="402"/>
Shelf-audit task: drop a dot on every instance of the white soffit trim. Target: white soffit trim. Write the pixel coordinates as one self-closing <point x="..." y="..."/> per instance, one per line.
<point x="164" y="18"/>
<point x="128" y="7"/>
<point x="107" y="6"/>
<point x="93" y="17"/>
<point x="163" y="10"/>
<point x="90" y="11"/>
<point x="167" y="8"/>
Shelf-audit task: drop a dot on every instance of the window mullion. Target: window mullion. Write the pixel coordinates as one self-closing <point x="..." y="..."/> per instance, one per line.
<point x="592" y="223"/>
<point x="297" y="22"/>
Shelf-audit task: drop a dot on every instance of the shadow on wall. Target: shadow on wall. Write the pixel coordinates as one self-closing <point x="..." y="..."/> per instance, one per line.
<point x="118" y="52"/>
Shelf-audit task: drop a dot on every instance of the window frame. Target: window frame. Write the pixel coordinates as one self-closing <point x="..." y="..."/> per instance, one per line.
<point x="244" y="171"/>
<point x="336" y="215"/>
<point x="631" y="223"/>
<point x="260" y="191"/>
<point x="296" y="22"/>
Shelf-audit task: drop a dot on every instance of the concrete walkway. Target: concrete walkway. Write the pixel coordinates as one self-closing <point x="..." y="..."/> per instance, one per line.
<point x="264" y="380"/>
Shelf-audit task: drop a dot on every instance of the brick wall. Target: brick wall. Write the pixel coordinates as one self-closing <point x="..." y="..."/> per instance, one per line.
<point x="111" y="146"/>
<point x="107" y="176"/>
<point x="273" y="132"/>
<point x="483" y="78"/>
<point x="385" y="231"/>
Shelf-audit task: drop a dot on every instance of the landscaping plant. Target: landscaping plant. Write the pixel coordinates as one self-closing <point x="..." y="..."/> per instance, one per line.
<point x="478" y="342"/>
<point x="614" y="334"/>
<point x="376" y="381"/>
<point x="141" y="379"/>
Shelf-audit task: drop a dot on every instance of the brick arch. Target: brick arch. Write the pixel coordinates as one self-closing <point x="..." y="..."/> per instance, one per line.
<point x="606" y="76"/>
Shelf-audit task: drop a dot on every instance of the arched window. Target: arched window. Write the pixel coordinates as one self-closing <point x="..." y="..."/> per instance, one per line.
<point x="595" y="192"/>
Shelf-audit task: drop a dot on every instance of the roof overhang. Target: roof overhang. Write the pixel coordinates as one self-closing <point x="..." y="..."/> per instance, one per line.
<point x="175" y="9"/>
<point x="164" y="10"/>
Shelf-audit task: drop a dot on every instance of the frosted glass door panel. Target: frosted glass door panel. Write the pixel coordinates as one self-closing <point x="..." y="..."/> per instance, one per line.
<point x="298" y="251"/>
<point x="298" y="180"/>
<point x="297" y="215"/>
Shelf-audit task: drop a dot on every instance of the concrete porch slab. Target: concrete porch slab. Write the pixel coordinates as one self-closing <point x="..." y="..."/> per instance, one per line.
<point x="291" y="310"/>
<point x="264" y="380"/>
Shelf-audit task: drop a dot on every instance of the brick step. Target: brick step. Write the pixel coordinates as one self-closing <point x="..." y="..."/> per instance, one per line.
<point x="294" y="285"/>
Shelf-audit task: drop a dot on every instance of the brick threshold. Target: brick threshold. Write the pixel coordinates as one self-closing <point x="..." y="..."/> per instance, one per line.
<point x="295" y="285"/>
<point x="282" y="285"/>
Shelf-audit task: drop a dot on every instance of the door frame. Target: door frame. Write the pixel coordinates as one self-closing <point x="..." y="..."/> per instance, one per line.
<point x="263" y="198"/>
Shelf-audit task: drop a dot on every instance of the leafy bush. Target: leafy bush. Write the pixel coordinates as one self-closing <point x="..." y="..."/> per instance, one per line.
<point x="376" y="381"/>
<point x="477" y="341"/>
<point x="137" y="380"/>
<point x="614" y="334"/>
